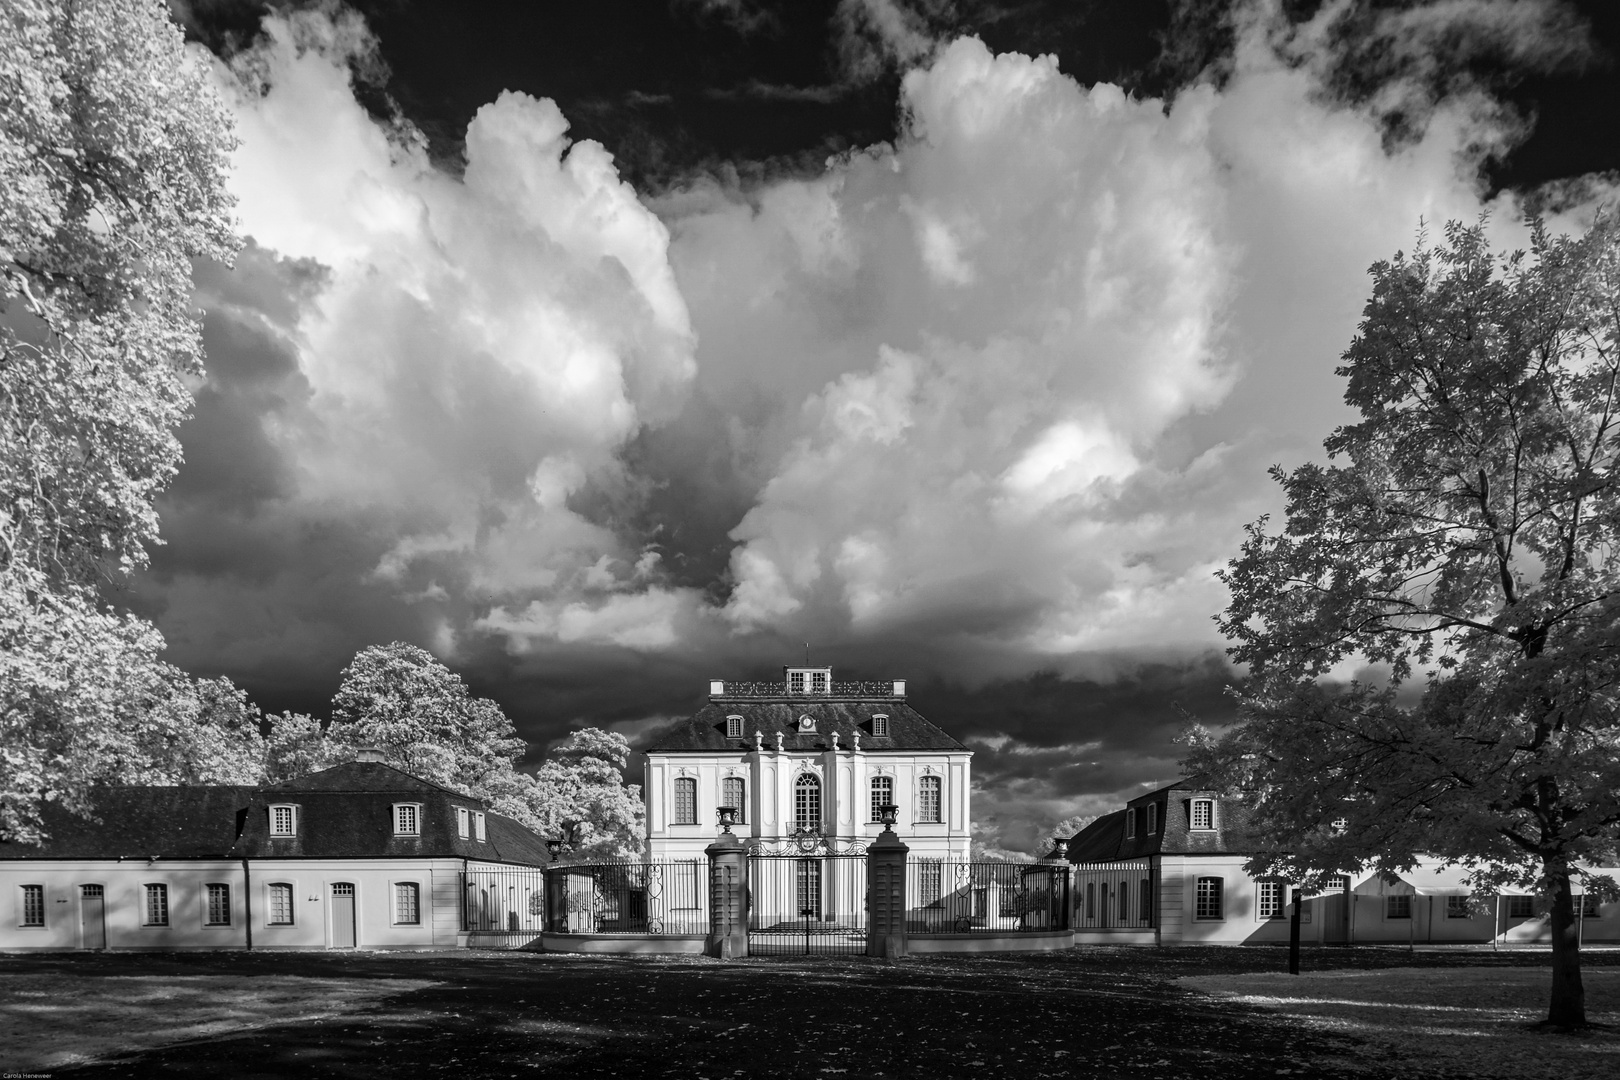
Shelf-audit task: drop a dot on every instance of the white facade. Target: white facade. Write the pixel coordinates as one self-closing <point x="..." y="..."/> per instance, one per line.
<point x="820" y="740"/>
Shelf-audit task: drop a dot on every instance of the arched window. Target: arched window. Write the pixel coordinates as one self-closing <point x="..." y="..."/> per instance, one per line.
<point x="928" y="799"/>
<point x="731" y="794"/>
<point x="882" y="793"/>
<point x="685" y="800"/>
<point x="807" y="802"/>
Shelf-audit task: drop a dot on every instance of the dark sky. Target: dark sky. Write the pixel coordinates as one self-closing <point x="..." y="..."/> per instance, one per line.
<point x="862" y="327"/>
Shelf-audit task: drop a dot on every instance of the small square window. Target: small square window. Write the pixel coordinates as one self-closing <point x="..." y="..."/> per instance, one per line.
<point x="33" y="905"/>
<point x="1203" y="814"/>
<point x="283" y="821"/>
<point x="1397" y="907"/>
<point x="407" y="819"/>
<point x="157" y="905"/>
<point x="734" y="727"/>
<point x="1521" y="907"/>
<point x="219" y="904"/>
<point x="880" y="726"/>
<point x="478" y="826"/>
<point x="1458" y="907"/>
<point x="281" y="904"/>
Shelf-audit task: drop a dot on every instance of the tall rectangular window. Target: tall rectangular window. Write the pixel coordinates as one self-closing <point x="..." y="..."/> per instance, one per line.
<point x="928" y="799"/>
<point x="1271" y="900"/>
<point x="731" y="794"/>
<point x="1124" y="901"/>
<point x="463" y="822"/>
<point x="157" y="905"/>
<point x="1153" y="819"/>
<point x="407" y="820"/>
<point x="1091" y="899"/>
<point x="407" y="902"/>
<point x="1207" y="899"/>
<point x="33" y="905"/>
<point x="1397" y="907"/>
<point x="795" y="682"/>
<point x="218" y="904"/>
<point x="807" y="802"/>
<point x="1145" y="895"/>
<point x="882" y="794"/>
<point x="685" y="800"/>
<point x="1130" y="823"/>
<point x="818" y="682"/>
<point x="480" y="828"/>
<point x="931" y="876"/>
<point x="283" y="821"/>
<point x="734" y="727"/>
<point x="281" y="904"/>
<point x="1203" y="814"/>
<point x="880" y="726"/>
<point x="1457" y="907"/>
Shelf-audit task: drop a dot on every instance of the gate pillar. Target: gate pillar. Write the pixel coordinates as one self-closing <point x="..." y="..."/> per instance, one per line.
<point x="886" y="895"/>
<point x="728" y="897"/>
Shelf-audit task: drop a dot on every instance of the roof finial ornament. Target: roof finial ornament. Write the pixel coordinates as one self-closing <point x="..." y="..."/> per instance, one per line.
<point x="759" y="740"/>
<point x="835" y="742"/>
<point x="856" y="735"/>
<point x="779" y="746"/>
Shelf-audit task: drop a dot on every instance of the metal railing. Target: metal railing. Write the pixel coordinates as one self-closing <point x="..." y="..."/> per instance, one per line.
<point x="959" y="897"/>
<point x="630" y="898"/>
<point x="1115" y="896"/>
<point x="869" y="688"/>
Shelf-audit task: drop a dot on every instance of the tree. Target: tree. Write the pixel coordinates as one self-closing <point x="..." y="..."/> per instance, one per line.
<point x="113" y="157"/>
<point x="1460" y="558"/>
<point x="583" y="781"/>
<point x="403" y="701"/>
<point x="1062" y="832"/>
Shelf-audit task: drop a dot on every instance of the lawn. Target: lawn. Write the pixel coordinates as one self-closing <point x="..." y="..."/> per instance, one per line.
<point x="1095" y="1012"/>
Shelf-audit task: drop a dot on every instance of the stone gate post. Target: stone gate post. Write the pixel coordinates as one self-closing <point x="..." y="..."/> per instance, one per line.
<point x="728" y="897"/>
<point x="886" y="895"/>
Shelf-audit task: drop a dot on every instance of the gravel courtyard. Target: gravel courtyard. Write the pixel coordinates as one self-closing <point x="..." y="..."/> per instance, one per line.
<point x="1094" y="1012"/>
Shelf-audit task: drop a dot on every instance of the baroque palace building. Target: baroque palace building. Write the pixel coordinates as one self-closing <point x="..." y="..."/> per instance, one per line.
<point x="807" y="757"/>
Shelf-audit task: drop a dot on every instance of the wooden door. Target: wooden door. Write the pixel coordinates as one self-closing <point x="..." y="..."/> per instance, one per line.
<point x="1336" y="918"/>
<point x="92" y="917"/>
<point x="343" y="936"/>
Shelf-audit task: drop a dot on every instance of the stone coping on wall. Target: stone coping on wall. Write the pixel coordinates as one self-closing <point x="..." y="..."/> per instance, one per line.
<point x="1121" y="936"/>
<point x="646" y="944"/>
<point x="1008" y="941"/>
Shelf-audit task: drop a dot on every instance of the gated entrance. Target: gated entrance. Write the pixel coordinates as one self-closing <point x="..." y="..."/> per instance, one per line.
<point x="807" y="896"/>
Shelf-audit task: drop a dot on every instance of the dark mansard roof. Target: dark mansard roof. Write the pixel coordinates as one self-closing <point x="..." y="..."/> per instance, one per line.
<point x="1104" y="840"/>
<point x="706" y="729"/>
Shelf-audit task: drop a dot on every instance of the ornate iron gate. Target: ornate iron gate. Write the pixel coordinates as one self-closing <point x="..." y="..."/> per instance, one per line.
<point x="807" y="896"/>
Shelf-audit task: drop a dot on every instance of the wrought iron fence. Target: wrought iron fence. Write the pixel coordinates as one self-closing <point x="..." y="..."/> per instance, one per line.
<point x="504" y="907"/>
<point x="959" y="897"/>
<point x="630" y="898"/>
<point x="802" y="903"/>
<point x="1115" y="896"/>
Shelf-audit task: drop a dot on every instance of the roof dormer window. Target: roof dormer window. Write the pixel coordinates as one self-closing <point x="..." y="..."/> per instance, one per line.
<point x="880" y="725"/>
<point x="807" y="723"/>
<point x="734" y="727"/>
<point x="1202" y="815"/>
<point x="284" y="820"/>
<point x="407" y="819"/>
<point x="463" y="819"/>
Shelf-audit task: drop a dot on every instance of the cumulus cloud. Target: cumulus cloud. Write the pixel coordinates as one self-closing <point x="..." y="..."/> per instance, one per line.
<point x="989" y="402"/>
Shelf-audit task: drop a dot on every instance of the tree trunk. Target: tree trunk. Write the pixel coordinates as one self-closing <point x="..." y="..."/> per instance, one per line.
<point x="1568" y="1006"/>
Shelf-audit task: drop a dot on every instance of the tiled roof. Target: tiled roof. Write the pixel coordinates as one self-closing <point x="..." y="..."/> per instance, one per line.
<point x="706" y="729"/>
<point x="197" y="821"/>
<point x="1231" y="834"/>
<point x="343" y="812"/>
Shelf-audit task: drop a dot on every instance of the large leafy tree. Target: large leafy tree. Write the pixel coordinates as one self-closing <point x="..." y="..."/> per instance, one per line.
<point x="582" y="781"/>
<point x="113" y="156"/>
<point x="1460" y="558"/>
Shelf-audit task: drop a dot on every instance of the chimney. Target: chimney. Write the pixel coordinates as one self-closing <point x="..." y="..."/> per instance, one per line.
<point x="369" y="753"/>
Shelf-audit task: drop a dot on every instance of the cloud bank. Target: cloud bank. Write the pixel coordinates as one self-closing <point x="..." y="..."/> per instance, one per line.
<point x="983" y="408"/>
